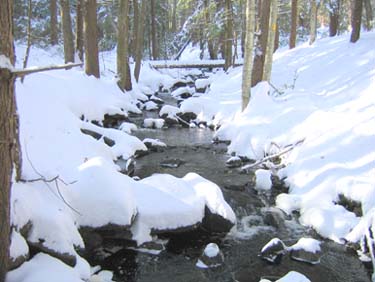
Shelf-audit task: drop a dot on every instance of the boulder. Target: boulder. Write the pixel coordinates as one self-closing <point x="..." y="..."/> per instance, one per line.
<point x="111" y="121"/>
<point x="215" y="223"/>
<point x="187" y="117"/>
<point x="234" y="162"/>
<point x="306" y="250"/>
<point x="127" y="166"/>
<point x="154" y="145"/>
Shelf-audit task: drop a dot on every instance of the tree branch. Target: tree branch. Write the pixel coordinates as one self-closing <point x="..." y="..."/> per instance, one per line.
<point x="23" y="72"/>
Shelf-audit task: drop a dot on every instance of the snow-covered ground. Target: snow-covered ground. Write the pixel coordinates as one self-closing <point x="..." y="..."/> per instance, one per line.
<point x="325" y="98"/>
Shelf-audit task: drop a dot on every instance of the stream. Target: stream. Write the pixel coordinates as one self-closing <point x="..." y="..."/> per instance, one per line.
<point x="257" y="222"/>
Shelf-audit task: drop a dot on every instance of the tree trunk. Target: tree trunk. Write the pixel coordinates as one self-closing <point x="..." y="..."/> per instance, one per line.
<point x="67" y="31"/>
<point x="271" y="41"/>
<point x="369" y="15"/>
<point x="174" y="16"/>
<point x="293" y="27"/>
<point x="334" y="15"/>
<point x="228" y="34"/>
<point x="91" y="39"/>
<point x="313" y="21"/>
<point x="248" y="56"/>
<point x="356" y="20"/>
<point x="79" y="30"/>
<point x="154" y="43"/>
<point x="9" y="142"/>
<point x="210" y="42"/>
<point x="53" y="22"/>
<point x="260" y="51"/>
<point x="277" y="37"/>
<point x="123" y="70"/>
<point x="139" y="40"/>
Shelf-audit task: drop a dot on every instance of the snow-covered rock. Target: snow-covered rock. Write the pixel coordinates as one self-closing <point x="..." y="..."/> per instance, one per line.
<point x="153" y="123"/>
<point x="273" y="250"/>
<point x="263" y="180"/>
<point x="306" y="250"/>
<point x="293" y="276"/>
<point x="19" y="250"/>
<point x="211" y="257"/>
<point x="150" y="106"/>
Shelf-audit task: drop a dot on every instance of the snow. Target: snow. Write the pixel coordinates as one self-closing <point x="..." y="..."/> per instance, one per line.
<point x="211" y="250"/>
<point x="18" y="246"/>
<point x="153" y="122"/>
<point x="329" y="108"/>
<point x="293" y="276"/>
<point x="307" y="244"/>
<point x="154" y="142"/>
<point x="170" y="111"/>
<point x="202" y="83"/>
<point x="187" y="198"/>
<point x="150" y="106"/>
<point x="43" y="268"/>
<point x="182" y="90"/>
<point x="263" y="179"/>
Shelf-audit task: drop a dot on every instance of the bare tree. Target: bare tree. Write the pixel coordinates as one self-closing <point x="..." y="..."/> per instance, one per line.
<point x="79" y="29"/>
<point x="91" y="39"/>
<point x="293" y="26"/>
<point x="271" y="41"/>
<point x="261" y="47"/>
<point x="67" y="31"/>
<point x="334" y="15"/>
<point x="154" y="42"/>
<point x="123" y="70"/>
<point x="53" y="21"/>
<point x="369" y="14"/>
<point x="228" y="15"/>
<point x="313" y="20"/>
<point x="248" y="57"/>
<point x="356" y="20"/>
<point x="139" y="40"/>
<point x="9" y="143"/>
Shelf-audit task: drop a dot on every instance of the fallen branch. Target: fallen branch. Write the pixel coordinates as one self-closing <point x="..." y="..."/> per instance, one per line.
<point x="23" y="72"/>
<point x="286" y="150"/>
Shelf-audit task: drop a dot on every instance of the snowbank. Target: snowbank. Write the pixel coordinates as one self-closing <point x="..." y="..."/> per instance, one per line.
<point x="324" y="98"/>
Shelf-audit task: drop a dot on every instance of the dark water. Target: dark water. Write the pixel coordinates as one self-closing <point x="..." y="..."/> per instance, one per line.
<point x="242" y="246"/>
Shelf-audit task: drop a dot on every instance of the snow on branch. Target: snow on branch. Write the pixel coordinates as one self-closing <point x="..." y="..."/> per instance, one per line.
<point x="23" y="72"/>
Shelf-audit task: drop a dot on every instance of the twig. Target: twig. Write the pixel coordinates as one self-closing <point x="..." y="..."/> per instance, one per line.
<point x="286" y="149"/>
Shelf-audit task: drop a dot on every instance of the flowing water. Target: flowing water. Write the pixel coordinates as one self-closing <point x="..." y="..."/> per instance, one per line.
<point x="194" y="147"/>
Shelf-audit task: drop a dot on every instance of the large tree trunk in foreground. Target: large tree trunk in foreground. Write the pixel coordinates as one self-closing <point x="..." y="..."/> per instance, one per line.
<point x="334" y="15"/>
<point x="67" y="31"/>
<point x="369" y="15"/>
<point x="261" y="47"/>
<point x="9" y="143"/>
<point x="356" y="20"/>
<point x="123" y="70"/>
<point x="293" y="26"/>
<point x="91" y="39"/>
<point x="248" y="57"/>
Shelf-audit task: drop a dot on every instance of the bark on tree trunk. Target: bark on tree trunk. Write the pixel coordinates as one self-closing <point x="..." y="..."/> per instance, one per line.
<point x="9" y="142"/>
<point x="154" y="44"/>
<point x="261" y="47"/>
<point x="139" y="40"/>
<point x="248" y="57"/>
<point x="174" y="16"/>
<point x="277" y="38"/>
<point x="334" y="15"/>
<point x="271" y="41"/>
<point x="67" y="31"/>
<point x="53" y="22"/>
<point x="210" y="42"/>
<point x="313" y="21"/>
<point x="369" y="15"/>
<point x="228" y="34"/>
<point x="293" y="27"/>
<point x="91" y="39"/>
<point x="79" y="30"/>
<point x="123" y="70"/>
<point x="27" y="53"/>
<point x="356" y="20"/>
